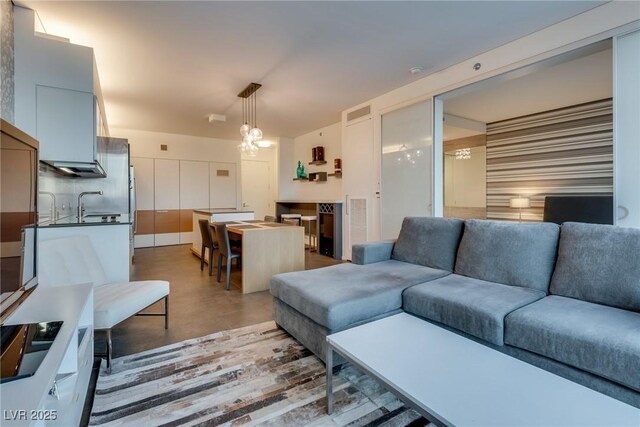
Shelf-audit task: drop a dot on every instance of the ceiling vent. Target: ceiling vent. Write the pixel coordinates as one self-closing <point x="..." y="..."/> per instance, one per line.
<point x="361" y="112"/>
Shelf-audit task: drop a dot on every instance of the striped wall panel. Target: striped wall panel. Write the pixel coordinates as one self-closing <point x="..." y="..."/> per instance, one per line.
<point x="568" y="151"/>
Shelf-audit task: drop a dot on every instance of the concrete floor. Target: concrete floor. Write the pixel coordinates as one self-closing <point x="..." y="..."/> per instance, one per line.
<point x="198" y="305"/>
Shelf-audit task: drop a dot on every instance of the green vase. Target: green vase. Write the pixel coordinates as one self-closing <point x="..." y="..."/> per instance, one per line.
<point x="300" y="170"/>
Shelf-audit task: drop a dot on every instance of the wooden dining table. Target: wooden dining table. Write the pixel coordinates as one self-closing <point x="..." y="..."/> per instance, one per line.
<point x="268" y="248"/>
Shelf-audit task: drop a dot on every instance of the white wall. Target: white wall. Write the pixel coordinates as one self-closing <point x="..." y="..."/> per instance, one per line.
<point x="285" y="155"/>
<point x="330" y="137"/>
<point x="594" y="25"/>
<point x="182" y="147"/>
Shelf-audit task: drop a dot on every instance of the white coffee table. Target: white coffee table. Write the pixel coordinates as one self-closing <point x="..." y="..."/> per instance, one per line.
<point x="454" y="381"/>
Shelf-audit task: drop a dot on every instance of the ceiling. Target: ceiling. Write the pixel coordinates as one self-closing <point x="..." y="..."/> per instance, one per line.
<point x="542" y="88"/>
<point x="573" y="78"/>
<point x="165" y="66"/>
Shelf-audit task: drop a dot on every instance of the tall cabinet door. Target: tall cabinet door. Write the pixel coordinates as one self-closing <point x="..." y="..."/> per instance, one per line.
<point x="65" y="124"/>
<point x="627" y="129"/>
<point x="357" y="184"/>
<point x="223" y="185"/>
<point x="145" y="206"/>
<point x="194" y="194"/>
<point x="167" y="202"/>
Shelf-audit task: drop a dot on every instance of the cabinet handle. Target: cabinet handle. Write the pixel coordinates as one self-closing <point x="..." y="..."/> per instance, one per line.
<point x="162" y="211"/>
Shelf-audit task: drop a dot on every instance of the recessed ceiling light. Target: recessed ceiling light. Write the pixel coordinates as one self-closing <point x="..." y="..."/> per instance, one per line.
<point x="416" y="70"/>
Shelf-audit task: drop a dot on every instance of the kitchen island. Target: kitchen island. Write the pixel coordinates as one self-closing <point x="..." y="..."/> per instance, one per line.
<point x="215" y="215"/>
<point x="267" y="248"/>
<point x="111" y="239"/>
<point x="328" y="225"/>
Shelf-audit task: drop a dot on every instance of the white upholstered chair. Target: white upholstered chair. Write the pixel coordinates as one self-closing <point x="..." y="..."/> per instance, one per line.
<point x="72" y="260"/>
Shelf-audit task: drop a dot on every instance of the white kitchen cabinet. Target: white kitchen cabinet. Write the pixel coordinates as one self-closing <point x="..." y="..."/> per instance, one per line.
<point x="194" y="194"/>
<point x="223" y="185"/>
<point x="65" y="125"/>
<point x="143" y="170"/>
<point x="167" y="202"/>
<point x="167" y="184"/>
<point x="55" y="84"/>
<point x="194" y="185"/>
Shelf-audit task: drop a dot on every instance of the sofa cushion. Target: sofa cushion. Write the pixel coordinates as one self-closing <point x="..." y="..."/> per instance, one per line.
<point x="595" y="338"/>
<point x="370" y="252"/>
<point x="510" y="253"/>
<point x="338" y="296"/>
<point x="115" y="302"/>
<point x="470" y="305"/>
<point x="431" y="242"/>
<point x="599" y="263"/>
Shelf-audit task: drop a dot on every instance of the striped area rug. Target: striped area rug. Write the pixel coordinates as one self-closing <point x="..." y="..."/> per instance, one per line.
<point x="258" y="375"/>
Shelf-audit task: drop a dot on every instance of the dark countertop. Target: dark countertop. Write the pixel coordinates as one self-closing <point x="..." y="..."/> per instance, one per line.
<point x="310" y="201"/>
<point x="72" y="221"/>
<point x="219" y="211"/>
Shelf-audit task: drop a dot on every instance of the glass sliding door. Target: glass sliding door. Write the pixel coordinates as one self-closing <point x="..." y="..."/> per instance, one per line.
<point x="407" y="166"/>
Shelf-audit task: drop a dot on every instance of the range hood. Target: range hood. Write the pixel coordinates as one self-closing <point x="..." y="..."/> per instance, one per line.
<point x="79" y="170"/>
<point x="94" y="169"/>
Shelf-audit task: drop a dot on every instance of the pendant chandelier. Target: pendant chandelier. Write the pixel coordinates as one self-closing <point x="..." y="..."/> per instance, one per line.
<point x="249" y="131"/>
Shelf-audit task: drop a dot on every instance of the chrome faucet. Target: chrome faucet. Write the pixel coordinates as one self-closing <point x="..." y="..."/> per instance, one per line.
<point x="80" y="207"/>
<point x="53" y="211"/>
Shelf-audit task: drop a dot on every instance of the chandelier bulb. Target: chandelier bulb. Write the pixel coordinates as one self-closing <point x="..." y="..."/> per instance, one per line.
<point x="256" y="134"/>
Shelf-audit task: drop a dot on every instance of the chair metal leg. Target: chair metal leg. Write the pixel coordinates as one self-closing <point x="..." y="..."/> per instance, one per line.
<point x="202" y="258"/>
<point x="210" y="261"/>
<point x="219" y="267"/>
<point x="109" y="346"/>
<point x="166" y="311"/>
<point x="228" y="272"/>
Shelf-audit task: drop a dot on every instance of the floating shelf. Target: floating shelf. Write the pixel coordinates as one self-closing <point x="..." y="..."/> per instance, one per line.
<point x="336" y="174"/>
<point x="301" y="179"/>
<point x="318" y="162"/>
<point x="317" y="176"/>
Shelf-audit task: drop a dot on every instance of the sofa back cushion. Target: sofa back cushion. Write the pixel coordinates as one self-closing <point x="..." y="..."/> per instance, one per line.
<point x="600" y="264"/>
<point x="509" y="253"/>
<point x="430" y="242"/>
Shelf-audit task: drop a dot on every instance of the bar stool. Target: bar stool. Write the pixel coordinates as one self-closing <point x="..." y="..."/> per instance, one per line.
<point x="313" y="235"/>
<point x="293" y="218"/>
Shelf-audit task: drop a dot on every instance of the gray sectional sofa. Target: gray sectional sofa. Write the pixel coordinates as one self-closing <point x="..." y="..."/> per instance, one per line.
<point x="564" y="298"/>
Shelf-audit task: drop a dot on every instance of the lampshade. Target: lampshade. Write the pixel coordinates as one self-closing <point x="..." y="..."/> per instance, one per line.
<point x="520" y="202"/>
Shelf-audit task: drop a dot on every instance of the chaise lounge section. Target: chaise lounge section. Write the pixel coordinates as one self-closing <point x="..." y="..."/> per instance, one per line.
<point x="564" y="298"/>
<point x="315" y="303"/>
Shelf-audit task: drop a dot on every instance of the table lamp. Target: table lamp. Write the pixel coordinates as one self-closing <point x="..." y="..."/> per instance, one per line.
<point x="519" y="203"/>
